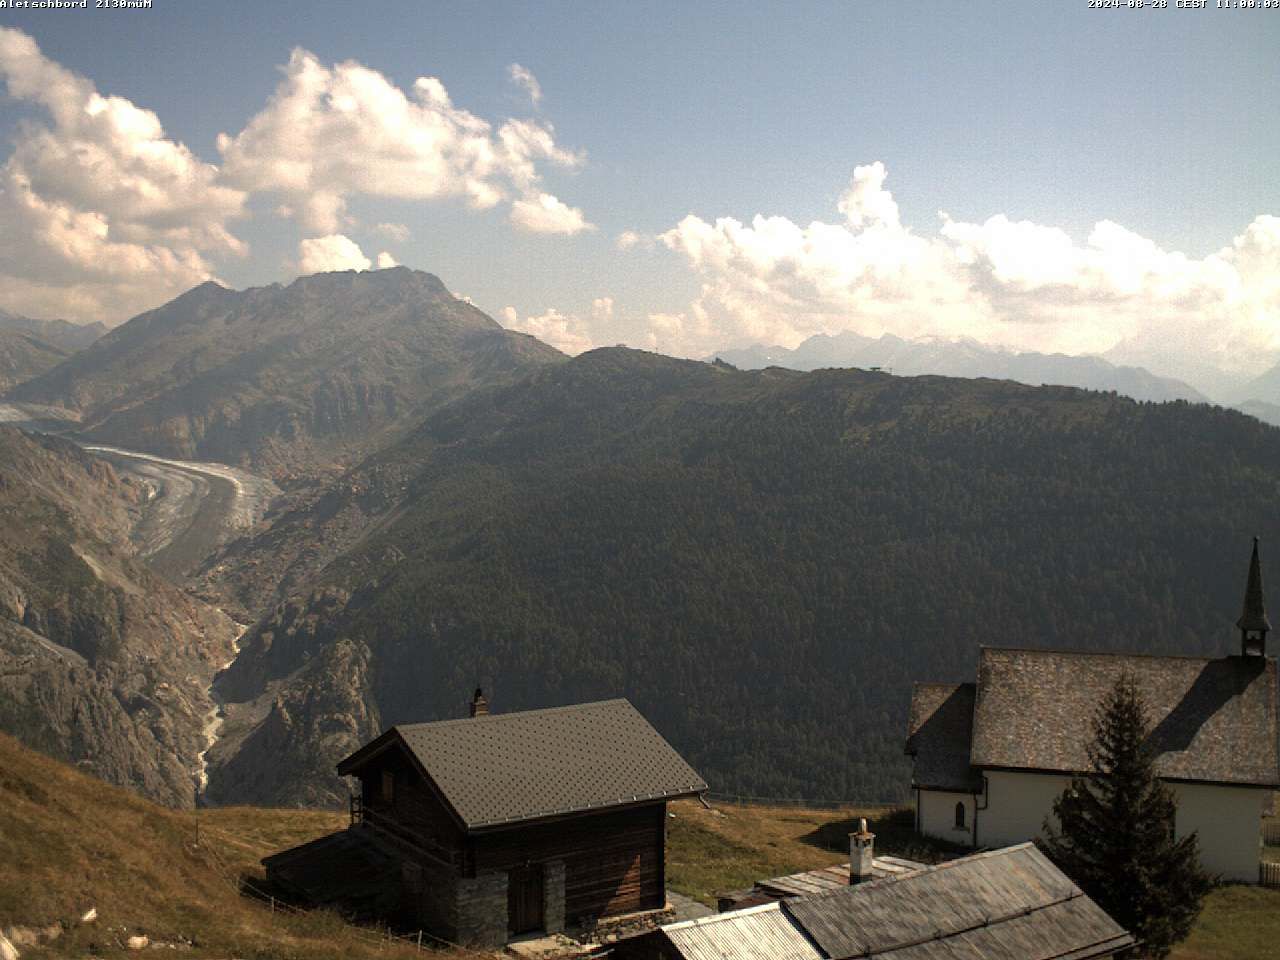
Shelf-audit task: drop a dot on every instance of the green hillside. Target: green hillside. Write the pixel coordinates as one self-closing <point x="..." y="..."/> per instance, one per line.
<point x="762" y="562"/>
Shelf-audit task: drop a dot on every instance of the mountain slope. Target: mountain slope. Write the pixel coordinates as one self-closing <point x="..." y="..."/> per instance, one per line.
<point x="69" y="844"/>
<point x="102" y="663"/>
<point x="66" y="336"/>
<point x="285" y="380"/>
<point x="24" y="356"/>
<point x="964" y="358"/>
<point x="762" y="561"/>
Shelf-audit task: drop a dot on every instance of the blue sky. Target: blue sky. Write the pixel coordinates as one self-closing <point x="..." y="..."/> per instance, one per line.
<point x="1048" y="117"/>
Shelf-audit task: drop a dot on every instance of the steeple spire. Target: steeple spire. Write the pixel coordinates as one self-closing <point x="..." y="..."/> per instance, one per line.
<point x="1253" y="622"/>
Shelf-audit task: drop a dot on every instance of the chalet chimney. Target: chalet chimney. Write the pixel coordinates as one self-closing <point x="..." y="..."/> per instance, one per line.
<point x="861" y="853"/>
<point x="479" y="705"/>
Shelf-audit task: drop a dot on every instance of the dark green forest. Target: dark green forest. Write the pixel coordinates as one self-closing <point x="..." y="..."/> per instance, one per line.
<point x="764" y="562"/>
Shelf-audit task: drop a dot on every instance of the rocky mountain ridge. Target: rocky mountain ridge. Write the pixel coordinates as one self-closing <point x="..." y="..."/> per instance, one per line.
<point x="289" y="381"/>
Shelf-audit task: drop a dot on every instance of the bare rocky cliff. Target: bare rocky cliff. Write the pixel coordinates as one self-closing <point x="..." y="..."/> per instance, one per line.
<point x="102" y="662"/>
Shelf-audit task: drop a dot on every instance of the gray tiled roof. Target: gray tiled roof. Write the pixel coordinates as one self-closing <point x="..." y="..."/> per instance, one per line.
<point x="1212" y="720"/>
<point x="1005" y="903"/>
<point x="938" y="736"/>
<point x="511" y="767"/>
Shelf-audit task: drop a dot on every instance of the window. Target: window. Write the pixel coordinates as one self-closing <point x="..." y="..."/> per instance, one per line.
<point x="388" y="786"/>
<point x="960" y="816"/>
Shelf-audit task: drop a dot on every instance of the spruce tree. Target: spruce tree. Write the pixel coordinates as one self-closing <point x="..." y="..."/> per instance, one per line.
<point x="1115" y="831"/>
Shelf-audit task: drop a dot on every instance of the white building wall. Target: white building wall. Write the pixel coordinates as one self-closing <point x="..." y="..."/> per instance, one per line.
<point x="936" y="814"/>
<point x="1227" y="819"/>
<point x="1016" y="805"/>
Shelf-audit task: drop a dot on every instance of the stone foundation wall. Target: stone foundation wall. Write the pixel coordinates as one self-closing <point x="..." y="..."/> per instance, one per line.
<point x="553" y="896"/>
<point x="482" y="910"/>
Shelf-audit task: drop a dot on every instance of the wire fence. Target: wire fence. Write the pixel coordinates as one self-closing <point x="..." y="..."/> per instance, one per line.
<point x="382" y="936"/>
<point x="1271" y="833"/>
<point x="743" y="800"/>
<point x="1269" y="874"/>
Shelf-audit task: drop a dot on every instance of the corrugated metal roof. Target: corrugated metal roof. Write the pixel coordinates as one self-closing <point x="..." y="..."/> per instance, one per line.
<point x="1009" y="903"/>
<point x="1211" y="720"/>
<point x="758" y="933"/>
<point x="512" y="767"/>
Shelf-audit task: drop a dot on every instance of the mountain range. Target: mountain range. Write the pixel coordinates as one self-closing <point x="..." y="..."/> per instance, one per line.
<point x="290" y="381"/>
<point x="762" y="560"/>
<point x="962" y="358"/>
<point x="63" y="334"/>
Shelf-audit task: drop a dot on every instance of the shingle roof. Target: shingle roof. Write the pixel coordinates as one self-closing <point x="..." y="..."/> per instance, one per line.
<point x="758" y="933"/>
<point x="1008" y="903"/>
<point x="938" y="736"/>
<point x="1212" y="720"/>
<point x="507" y="768"/>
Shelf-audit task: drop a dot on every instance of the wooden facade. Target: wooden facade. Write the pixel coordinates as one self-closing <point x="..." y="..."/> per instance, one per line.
<point x="613" y="860"/>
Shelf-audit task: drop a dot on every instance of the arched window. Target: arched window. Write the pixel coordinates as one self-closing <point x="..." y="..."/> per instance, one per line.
<point x="960" y="816"/>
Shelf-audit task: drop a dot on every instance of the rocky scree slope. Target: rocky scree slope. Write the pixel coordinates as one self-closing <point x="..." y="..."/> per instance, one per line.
<point x="102" y="663"/>
<point x="286" y="381"/>
<point x="762" y="561"/>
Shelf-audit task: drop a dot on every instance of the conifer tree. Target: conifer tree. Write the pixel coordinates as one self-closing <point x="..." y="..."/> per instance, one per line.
<point x="1115" y="831"/>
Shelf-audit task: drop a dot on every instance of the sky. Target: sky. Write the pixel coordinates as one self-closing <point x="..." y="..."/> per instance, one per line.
<point x="676" y="177"/>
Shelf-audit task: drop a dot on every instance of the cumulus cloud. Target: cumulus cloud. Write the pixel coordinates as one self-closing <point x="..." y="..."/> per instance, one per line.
<point x="546" y="214"/>
<point x="104" y="215"/>
<point x="1019" y="284"/>
<point x="386" y="261"/>
<point x="330" y="133"/>
<point x="631" y="240"/>
<point x="334" y="252"/>
<point x="523" y="78"/>
<point x="565" y="333"/>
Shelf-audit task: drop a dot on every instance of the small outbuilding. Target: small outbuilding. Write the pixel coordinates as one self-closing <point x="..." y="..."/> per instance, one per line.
<point x="1004" y="903"/>
<point x="518" y="823"/>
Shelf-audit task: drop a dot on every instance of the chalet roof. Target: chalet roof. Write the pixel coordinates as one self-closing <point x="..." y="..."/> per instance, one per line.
<point x="1005" y="903"/>
<point x="938" y="736"/>
<point x="508" y="768"/>
<point x="757" y="933"/>
<point x="1212" y="720"/>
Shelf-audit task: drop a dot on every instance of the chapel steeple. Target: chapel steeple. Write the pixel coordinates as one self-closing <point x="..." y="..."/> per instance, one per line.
<point x="1253" y="622"/>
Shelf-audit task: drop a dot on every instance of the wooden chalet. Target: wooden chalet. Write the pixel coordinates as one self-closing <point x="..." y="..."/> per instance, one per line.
<point x="515" y="823"/>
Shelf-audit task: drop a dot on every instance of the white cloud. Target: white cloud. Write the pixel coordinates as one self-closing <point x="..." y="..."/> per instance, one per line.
<point x="103" y="215"/>
<point x="565" y="333"/>
<point x="334" y="252"/>
<point x="546" y="214"/>
<point x="386" y="261"/>
<point x="631" y="240"/>
<point x="1018" y="284"/>
<point x="394" y="231"/>
<point x="523" y="78"/>
<point x="331" y="133"/>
